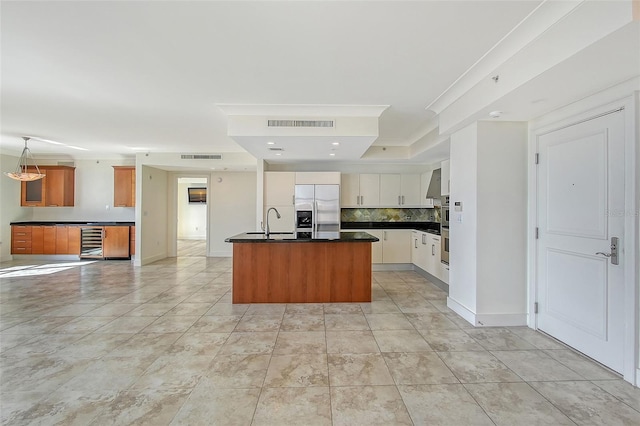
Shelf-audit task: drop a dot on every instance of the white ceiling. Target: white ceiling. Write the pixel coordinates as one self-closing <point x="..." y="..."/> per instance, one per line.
<point x="116" y="78"/>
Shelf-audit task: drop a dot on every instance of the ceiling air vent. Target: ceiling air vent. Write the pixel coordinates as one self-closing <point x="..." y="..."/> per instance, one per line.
<point x="299" y="123"/>
<point x="201" y="156"/>
<point x="275" y="148"/>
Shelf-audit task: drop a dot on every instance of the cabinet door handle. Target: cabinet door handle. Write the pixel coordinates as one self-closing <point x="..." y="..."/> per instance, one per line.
<point x="424" y="239"/>
<point x="384" y="235"/>
<point x="403" y="200"/>
<point x="433" y="249"/>
<point x="399" y="203"/>
<point x="415" y="245"/>
<point x="361" y="199"/>
<point x="293" y="199"/>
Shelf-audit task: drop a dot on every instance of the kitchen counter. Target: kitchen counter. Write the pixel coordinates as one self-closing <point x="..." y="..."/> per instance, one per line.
<point x="432" y="227"/>
<point x="302" y="237"/>
<point x="302" y="268"/>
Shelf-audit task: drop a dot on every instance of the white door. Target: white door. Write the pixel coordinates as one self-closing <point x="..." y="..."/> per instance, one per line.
<point x="580" y="189"/>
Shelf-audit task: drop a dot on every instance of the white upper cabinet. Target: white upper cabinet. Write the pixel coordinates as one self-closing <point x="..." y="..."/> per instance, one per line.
<point x="350" y="190"/>
<point x="410" y="190"/>
<point x="279" y="188"/>
<point x="445" y="182"/>
<point x="360" y="190"/>
<point x="390" y="195"/>
<point x="400" y="190"/>
<point x="370" y="190"/>
<point x="317" y="178"/>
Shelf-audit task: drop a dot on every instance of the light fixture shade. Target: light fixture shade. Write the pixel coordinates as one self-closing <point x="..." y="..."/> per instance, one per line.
<point x="21" y="172"/>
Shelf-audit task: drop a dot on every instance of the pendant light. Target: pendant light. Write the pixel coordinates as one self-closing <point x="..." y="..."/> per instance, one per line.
<point x="21" y="173"/>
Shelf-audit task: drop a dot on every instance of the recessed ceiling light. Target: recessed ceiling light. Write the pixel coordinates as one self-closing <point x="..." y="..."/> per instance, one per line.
<point x="332" y="154"/>
<point x="271" y="143"/>
<point x="335" y="143"/>
<point x="495" y="114"/>
<point x="278" y="153"/>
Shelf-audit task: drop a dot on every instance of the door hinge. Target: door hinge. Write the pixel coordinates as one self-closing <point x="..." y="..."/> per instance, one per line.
<point x="537" y="158"/>
<point x="537" y="233"/>
<point x="535" y="308"/>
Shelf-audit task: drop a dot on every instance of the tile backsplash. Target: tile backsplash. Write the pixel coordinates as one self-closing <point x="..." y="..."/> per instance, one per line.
<point x="390" y="215"/>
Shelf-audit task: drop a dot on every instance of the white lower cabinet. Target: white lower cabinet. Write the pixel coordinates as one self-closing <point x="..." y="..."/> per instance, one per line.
<point x="396" y="246"/>
<point x="419" y="249"/>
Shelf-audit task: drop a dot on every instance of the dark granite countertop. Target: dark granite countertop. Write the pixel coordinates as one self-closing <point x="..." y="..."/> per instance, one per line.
<point x="65" y="223"/>
<point x="274" y="237"/>
<point x="433" y="227"/>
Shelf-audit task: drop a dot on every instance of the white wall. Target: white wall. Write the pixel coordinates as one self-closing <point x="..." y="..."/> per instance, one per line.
<point x="463" y="235"/>
<point x="151" y="237"/>
<point x="502" y="218"/>
<point x="192" y="218"/>
<point x="488" y="276"/>
<point x="10" y="210"/>
<point x="232" y="208"/>
<point x="93" y="196"/>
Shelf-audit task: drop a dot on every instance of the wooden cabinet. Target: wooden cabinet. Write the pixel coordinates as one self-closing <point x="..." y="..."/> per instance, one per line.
<point x="62" y="239"/>
<point x="132" y="240"/>
<point x="66" y="239"/>
<point x="73" y="233"/>
<point x="116" y="241"/>
<point x="445" y="180"/>
<point x="37" y="239"/>
<point x="56" y="189"/>
<point x="360" y="190"/>
<point x="49" y="239"/>
<point x="124" y="186"/>
<point x="21" y="239"/>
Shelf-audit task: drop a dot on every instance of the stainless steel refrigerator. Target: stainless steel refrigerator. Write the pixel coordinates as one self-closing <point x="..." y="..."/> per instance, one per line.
<point x="317" y="208"/>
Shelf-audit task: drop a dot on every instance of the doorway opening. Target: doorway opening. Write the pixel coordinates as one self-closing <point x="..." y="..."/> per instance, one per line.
<point x="191" y="209"/>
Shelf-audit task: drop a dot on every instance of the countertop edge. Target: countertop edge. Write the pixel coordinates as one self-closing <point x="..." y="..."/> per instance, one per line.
<point x="79" y="223"/>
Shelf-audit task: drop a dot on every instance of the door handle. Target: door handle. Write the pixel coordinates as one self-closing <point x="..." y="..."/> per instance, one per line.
<point x="613" y="256"/>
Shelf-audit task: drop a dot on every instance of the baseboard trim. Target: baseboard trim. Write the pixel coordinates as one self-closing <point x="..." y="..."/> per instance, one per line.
<point x="434" y="280"/>
<point x="501" y="320"/>
<point x="49" y="257"/>
<point x="487" y="320"/>
<point x="390" y="267"/>
<point x="461" y="310"/>
<point x="151" y="259"/>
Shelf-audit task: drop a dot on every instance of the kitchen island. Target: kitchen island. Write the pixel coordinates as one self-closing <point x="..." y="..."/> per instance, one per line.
<point x="302" y="267"/>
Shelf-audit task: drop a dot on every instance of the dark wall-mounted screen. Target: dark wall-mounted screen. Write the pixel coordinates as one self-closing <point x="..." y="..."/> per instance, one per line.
<point x="197" y="195"/>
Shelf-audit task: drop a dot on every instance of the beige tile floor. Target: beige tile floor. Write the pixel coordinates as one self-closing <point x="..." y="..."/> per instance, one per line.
<point x="109" y="343"/>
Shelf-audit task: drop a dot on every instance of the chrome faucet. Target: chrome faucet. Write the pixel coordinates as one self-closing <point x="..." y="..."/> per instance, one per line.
<point x="267" y="230"/>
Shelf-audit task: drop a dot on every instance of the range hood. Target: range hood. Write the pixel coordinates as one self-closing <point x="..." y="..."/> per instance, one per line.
<point x="434" y="186"/>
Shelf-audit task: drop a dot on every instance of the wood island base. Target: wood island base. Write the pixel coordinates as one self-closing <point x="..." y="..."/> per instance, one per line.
<point x="301" y="272"/>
